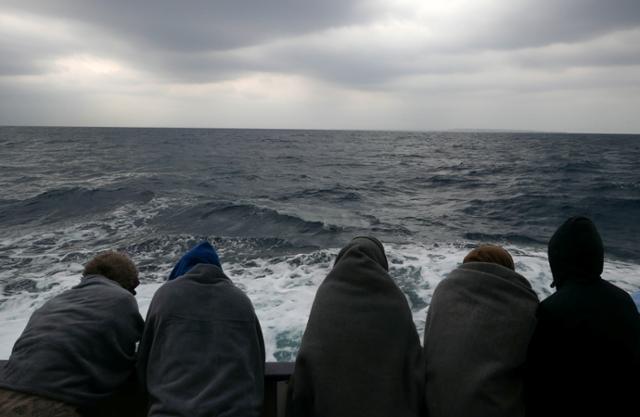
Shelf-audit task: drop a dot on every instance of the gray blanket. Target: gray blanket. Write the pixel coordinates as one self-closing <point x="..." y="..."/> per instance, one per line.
<point x="478" y="327"/>
<point x="202" y="352"/>
<point x="360" y="353"/>
<point x="79" y="347"/>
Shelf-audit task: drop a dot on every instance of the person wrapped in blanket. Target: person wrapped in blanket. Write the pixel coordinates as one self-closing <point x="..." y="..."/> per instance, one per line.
<point x="360" y="354"/>
<point x="202" y="351"/>
<point x="584" y="357"/>
<point x="478" y="328"/>
<point x="78" y="348"/>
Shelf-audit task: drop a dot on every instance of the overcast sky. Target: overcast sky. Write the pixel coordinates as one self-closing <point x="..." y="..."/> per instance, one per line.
<point x="553" y="65"/>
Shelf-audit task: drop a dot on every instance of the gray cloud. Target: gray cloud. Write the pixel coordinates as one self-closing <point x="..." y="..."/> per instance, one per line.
<point x="615" y="49"/>
<point x="198" y="41"/>
<point x="205" y="25"/>
<point x="177" y="40"/>
<point x="389" y="50"/>
<point x="531" y="23"/>
<point x="20" y="62"/>
<point x="201" y="25"/>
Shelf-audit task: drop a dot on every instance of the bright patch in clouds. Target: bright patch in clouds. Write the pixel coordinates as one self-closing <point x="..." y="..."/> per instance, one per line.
<point x="87" y="66"/>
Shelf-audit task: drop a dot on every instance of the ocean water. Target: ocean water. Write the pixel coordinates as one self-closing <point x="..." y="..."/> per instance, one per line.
<point x="279" y="204"/>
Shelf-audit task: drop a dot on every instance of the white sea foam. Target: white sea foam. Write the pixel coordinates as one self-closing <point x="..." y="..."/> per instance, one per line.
<point x="281" y="288"/>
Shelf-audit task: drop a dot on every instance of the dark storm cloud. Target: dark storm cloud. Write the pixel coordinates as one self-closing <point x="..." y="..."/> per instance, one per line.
<point x="618" y="49"/>
<point x="204" y="41"/>
<point x="200" y="25"/>
<point x="26" y="55"/>
<point x="178" y="41"/>
<point x="526" y="23"/>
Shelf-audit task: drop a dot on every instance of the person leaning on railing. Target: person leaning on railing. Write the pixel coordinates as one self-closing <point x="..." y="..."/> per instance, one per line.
<point x="477" y="331"/>
<point x="584" y="357"/>
<point x="78" y="349"/>
<point x="360" y="354"/>
<point x="202" y="351"/>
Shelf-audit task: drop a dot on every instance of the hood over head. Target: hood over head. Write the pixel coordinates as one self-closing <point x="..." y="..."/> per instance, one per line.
<point x="203" y="253"/>
<point x="576" y="252"/>
<point x="360" y="332"/>
<point x="491" y="254"/>
<point x="636" y="299"/>
<point x="369" y="246"/>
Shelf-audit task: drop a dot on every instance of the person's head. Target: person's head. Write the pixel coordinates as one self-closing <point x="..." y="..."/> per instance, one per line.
<point x="368" y="245"/>
<point x="202" y="253"/>
<point x="491" y="254"/>
<point x="576" y="252"/>
<point x="115" y="266"/>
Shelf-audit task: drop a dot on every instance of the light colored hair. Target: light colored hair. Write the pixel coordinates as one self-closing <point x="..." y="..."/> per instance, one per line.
<point x="492" y="254"/>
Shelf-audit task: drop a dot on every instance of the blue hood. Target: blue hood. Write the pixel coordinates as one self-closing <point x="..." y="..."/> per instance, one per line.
<point x="636" y="299"/>
<point x="203" y="253"/>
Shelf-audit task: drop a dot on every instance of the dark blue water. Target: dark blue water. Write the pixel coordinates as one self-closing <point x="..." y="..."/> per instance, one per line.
<point x="298" y="189"/>
<point x="279" y="203"/>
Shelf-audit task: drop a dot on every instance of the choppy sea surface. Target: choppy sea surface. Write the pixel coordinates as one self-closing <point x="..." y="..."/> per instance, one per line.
<point x="279" y="204"/>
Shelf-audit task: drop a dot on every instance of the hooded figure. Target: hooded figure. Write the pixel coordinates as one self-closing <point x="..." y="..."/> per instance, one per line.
<point x="202" y="352"/>
<point x="478" y="327"/>
<point x="584" y="356"/>
<point x="360" y="353"/>
<point x="78" y="349"/>
<point x="203" y="253"/>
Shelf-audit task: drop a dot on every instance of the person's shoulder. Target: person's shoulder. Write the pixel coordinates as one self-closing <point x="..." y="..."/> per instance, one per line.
<point x="472" y="270"/>
<point x="458" y="277"/>
<point x="101" y="284"/>
<point x="577" y="298"/>
<point x="236" y="291"/>
<point x="554" y="305"/>
<point x="622" y="299"/>
<point x="489" y="273"/>
<point x="165" y="290"/>
<point x="126" y="299"/>
<point x="111" y="293"/>
<point x="615" y="291"/>
<point x="117" y="292"/>
<point x="194" y="281"/>
<point x="91" y="288"/>
<point x="104" y="288"/>
<point x="174" y="289"/>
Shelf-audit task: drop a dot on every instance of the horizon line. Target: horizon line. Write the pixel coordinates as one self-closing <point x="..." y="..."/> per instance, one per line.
<point x="450" y="130"/>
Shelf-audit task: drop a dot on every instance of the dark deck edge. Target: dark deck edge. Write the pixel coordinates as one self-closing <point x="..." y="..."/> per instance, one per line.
<point x="276" y="377"/>
<point x="278" y="371"/>
<point x="273" y="371"/>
